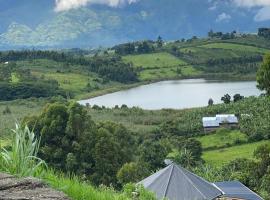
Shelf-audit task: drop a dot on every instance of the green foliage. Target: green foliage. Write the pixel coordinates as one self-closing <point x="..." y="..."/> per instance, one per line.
<point x="77" y="189"/>
<point x="138" y="193"/>
<point x="226" y="99"/>
<point x="72" y="142"/>
<point x="153" y="154"/>
<point x="222" y="156"/>
<point x="263" y="75"/>
<point x="159" y="42"/>
<point x="10" y="91"/>
<point x="222" y="138"/>
<point x="22" y="159"/>
<point x="6" y="111"/>
<point x="19" y="109"/>
<point x="132" y="173"/>
<point x="237" y="97"/>
<point x="185" y="158"/>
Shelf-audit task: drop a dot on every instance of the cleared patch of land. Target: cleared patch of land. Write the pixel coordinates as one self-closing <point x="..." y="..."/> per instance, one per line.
<point x="154" y="60"/>
<point x="235" y="47"/>
<point x="223" y="156"/>
<point x="222" y="138"/>
<point x="160" y="66"/>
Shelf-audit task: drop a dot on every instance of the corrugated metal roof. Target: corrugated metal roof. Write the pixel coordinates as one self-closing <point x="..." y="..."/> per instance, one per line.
<point x="219" y="119"/>
<point x="210" y="122"/>
<point x="227" y="118"/>
<point x="235" y="189"/>
<point x="176" y="183"/>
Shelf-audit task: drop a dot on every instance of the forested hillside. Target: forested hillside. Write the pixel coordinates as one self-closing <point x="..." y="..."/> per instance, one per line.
<point x="81" y="73"/>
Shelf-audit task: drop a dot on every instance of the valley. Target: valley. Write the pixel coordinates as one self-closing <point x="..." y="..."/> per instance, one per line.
<point x="41" y="88"/>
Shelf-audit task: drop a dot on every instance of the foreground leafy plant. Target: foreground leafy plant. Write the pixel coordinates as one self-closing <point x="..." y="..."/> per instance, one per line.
<point x="22" y="159"/>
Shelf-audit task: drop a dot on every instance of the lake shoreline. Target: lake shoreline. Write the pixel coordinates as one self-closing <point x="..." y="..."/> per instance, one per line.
<point x="119" y="88"/>
<point x="164" y="94"/>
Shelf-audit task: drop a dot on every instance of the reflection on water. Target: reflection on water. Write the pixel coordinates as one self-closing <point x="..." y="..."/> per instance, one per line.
<point x="175" y="94"/>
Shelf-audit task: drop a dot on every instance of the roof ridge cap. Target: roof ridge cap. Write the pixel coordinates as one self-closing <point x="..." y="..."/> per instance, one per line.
<point x="169" y="180"/>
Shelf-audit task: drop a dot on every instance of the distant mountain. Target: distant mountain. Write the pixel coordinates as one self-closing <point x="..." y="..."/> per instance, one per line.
<point x="32" y="23"/>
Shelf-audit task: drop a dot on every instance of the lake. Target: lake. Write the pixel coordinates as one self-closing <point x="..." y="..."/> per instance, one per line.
<point x="175" y="94"/>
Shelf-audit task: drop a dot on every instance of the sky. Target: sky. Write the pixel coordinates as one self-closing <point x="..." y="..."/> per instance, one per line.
<point x="260" y="8"/>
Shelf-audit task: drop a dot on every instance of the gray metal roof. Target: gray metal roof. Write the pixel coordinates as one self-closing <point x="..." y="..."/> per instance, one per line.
<point x="227" y="118"/>
<point x="219" y="119"/>
<point x="235" y="189"/>
<point x="176" y="183"/>
<point x="210" y="122"/>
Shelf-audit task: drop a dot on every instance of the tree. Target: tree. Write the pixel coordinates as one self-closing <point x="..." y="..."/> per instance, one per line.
<point x="237" y="97"/>
<point x="210" y="102"/>
<point x="159" y="42"/>
<point x="68" y="137"/>
<point x="194" y="147"/>
<point x="211" y="33"/>
<point x="132" y="173"/>
<point x="145" y="47"/>
<point x="263" y="75"/>
<point x="107" y="159"/>
<point x="5" y="73"/>
<point x="226" y="99"/>
<point x="153" y="154"/>
<point x="185" y="159"/>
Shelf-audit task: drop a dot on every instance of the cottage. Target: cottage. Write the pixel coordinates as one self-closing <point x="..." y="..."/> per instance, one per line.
<point x="223" y="120"/>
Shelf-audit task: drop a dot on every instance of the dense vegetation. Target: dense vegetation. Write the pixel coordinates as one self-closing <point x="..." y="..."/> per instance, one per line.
<point x="77" y="74"/>
<point x="113" y="147"/>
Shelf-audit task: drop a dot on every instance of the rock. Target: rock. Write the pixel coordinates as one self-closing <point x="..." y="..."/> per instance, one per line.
<point x="12" y="188"/>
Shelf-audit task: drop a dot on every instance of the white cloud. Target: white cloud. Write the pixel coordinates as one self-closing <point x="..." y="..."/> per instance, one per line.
<point x="64" y="5"/>
<point x="252" y="3"/>
<point x="263" y="14"/>
<point x="223" y="17"/>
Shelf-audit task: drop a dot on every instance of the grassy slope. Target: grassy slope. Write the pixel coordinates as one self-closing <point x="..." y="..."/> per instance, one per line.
<point x="235" y="47"/>
<point x="19" y="109"/>
<point x="222" y="138"/>
<point x="77" y="190"/>
<point x="222" y="156"/>
<point x="158" y="66"/>
<point x="70" y="78"/>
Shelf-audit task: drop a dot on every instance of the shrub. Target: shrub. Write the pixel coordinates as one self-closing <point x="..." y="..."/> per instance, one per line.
<point x="22" y="160"/>
<point x="6" y="111"/>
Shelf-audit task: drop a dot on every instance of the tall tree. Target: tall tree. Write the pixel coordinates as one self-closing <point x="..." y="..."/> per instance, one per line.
<point x="263" y="75"/>
<point x="159" y="42"/>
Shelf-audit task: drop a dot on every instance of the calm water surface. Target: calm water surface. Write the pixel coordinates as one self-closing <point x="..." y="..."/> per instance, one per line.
<point x="175" y="94"/>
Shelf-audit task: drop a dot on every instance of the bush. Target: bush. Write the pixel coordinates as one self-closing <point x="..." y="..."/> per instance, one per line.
<point x="22" y="160"/>
<point x="6" y="111"/>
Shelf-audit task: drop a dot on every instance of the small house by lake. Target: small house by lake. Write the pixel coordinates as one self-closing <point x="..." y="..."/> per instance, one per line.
<point x="223" y="120"/>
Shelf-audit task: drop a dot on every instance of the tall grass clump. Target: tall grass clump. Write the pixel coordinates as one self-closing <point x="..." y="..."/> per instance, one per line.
<point x="21" y="159"/>
<point x="77" y="189"/>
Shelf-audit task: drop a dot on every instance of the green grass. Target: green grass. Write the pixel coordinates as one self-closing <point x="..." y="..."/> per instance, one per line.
<point x="77" y="190"/>
<point x="154" y="60"/>
<point x="71" y="82"/>
<point x="222" y="138"/>
<point x="223" y="156"/>
<point x="19" y="109"/>
<point x="160" y="66"/>
<point x="235" y="47"/>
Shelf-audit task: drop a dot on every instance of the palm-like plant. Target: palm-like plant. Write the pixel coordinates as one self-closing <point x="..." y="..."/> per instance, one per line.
<point x="22" y="159"/>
